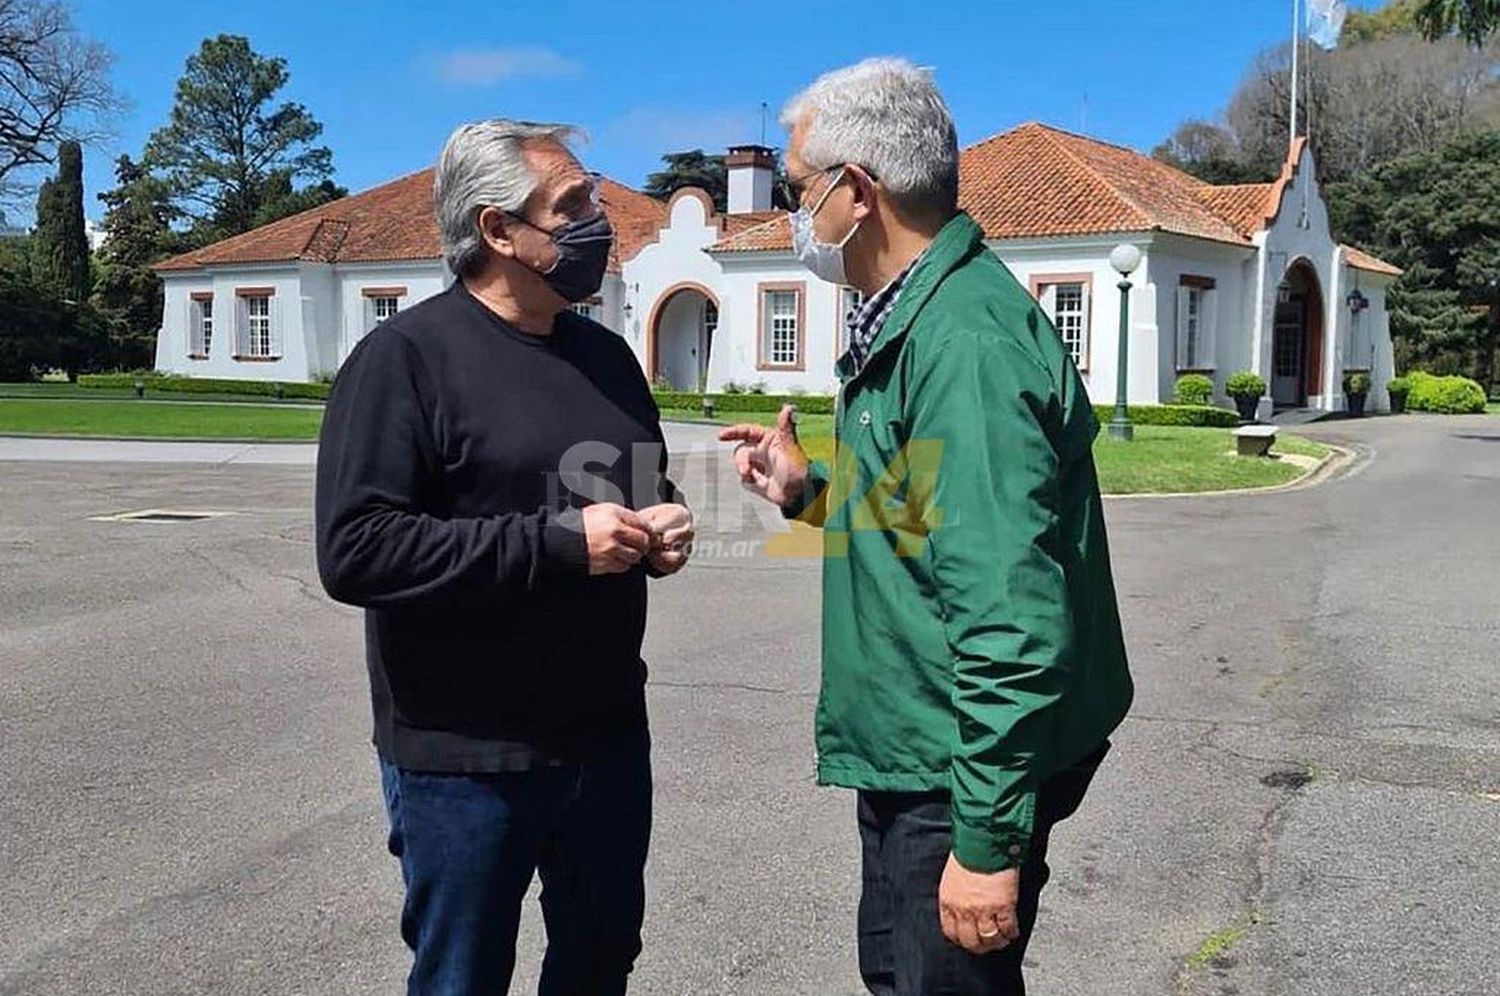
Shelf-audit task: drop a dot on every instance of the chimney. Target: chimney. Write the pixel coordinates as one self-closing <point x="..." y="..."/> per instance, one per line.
<point x="750" y="170"/>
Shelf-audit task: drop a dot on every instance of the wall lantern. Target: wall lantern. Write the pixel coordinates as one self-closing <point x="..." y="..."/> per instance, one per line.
<point x="1357" y="301"/>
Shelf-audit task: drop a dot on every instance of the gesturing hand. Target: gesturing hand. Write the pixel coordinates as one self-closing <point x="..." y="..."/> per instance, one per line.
<point x="617" y="538"/>
<point x="978" y="910"/>
<point x="771" y="462"/>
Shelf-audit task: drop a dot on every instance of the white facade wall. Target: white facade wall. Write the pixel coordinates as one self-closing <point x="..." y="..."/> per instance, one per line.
<point x="1087" y="259"/>
<point x="1232" y="269"/>
<point x="737" y="355"/>
<point x="287" y="324"/>
<point x="1300" y="232"/>
<point x="353" y="319"/>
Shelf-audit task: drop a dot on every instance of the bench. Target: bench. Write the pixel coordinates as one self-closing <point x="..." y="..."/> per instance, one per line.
<point x="1254" y="440"/>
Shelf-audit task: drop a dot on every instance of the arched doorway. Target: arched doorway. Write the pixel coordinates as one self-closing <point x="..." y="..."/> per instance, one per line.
<point x="1297" y="342"/>
<point x="681" y="334"/>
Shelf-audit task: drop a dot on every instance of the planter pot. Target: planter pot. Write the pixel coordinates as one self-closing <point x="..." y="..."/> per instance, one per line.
<point x="1247" y="406"/>
<point x="1356" y="405"/>
<point x="1398" y="404"/>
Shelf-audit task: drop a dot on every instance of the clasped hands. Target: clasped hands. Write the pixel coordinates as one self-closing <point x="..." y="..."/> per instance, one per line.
<point x="619" y="538"/>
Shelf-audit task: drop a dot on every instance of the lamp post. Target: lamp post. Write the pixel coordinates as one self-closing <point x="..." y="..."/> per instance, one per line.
<point x="1124" y="258"/>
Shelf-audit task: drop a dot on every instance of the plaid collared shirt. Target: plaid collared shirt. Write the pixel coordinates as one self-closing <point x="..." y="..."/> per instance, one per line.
<point x="864" y="323"/>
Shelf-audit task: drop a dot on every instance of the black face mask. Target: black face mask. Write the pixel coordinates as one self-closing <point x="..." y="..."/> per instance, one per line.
<point x="582" y="256"/>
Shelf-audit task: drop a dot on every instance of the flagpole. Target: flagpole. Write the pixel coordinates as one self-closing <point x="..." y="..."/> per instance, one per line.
<point x="1296" y="38"/>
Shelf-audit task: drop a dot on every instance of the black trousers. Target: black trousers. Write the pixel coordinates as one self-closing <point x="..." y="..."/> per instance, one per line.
<point x="905" y="841"/>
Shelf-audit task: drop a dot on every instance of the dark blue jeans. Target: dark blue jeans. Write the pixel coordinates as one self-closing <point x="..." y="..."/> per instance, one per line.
<point x="469" y="845"/>
<point x="905" y="841"/>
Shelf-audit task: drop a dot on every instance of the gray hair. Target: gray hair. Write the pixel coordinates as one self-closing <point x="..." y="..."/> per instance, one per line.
<point x="483" y="166"/>
<point x="887" y="116"/>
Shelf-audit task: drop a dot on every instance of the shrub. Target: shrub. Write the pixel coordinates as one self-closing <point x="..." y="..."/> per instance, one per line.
<point x="1444" y="395"/>
<point x="1357" y="383"/>
<point x="1193" y="389"/>
<point x="206" y="385"/>
<point x="1399" y="386"/>
<point x="808" y="404"/>
<point x="1185" y="415"/>
<point x="1245" y="384"/>
<point x="730" y="387"/>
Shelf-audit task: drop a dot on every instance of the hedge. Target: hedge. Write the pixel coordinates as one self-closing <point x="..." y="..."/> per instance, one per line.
<point x="1189" y="415"/>
<point x="1444" y="395"/>
<point x="807" y="404"/>
<point x="206" y="385"/>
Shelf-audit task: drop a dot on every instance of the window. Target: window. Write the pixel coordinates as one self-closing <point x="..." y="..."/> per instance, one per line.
<point x="200" y="326"/>
<point x="1196" y="299"/>
<point x="851" y="299"/>
<point x="781" y="325"/>
<point x="381" y="303"/>
<point x="257" y="332"/>
<point x="710" y="319"/>
<point x="588" y="309"/>
<point x="259" y="311"/>
<point x="1065" y="300"/>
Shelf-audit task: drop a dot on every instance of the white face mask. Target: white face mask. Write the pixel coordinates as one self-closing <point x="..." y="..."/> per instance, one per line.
<point x="824" y="259"/>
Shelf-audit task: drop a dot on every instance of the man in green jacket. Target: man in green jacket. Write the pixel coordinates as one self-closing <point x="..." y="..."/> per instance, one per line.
<point x="973" y="663"/>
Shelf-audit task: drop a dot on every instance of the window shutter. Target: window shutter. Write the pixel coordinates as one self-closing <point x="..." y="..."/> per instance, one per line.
<point x="1208" y="331"/>
<point x="241" y="327"/>
<point x="194" y="329"/>
<point x="275" y="318"/>
<point x="1048" y="301"/>
<point x="1087" y="330"/>
<point x="1184" y="357"/>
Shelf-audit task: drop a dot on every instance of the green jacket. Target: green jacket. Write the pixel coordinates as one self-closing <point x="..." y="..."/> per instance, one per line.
<point x="971" y="638"/>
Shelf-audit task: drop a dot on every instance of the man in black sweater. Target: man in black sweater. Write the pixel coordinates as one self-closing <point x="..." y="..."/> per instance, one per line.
<point x="491" y="490"/>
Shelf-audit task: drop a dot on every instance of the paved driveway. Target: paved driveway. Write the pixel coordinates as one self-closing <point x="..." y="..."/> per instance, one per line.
<point x="188" y="803"/>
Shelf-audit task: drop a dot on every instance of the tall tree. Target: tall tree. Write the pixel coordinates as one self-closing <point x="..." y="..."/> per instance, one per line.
<point x="278" y="198"/>
<point x="694" y="168"/>
<point x="54" y="85"/>
<point x="1473" y="20"/>
<point x="1437" y="214"/>
<point x="59" y="245"/>
<point x="1365" y="103"/>
<point x="138" y="222"/>
<point x="1208" y="151"/>
<point x="228" y="136"/>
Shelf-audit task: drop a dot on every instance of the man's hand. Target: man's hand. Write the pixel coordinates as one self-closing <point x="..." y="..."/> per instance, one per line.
<point x="671" y="536"/>
<point x="771" y="462"/>
<point x="978" y="910"/>
<point x="617" y="537"/>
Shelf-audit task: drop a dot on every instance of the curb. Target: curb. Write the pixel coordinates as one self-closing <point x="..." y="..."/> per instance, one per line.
<point x="1328" y="468"/>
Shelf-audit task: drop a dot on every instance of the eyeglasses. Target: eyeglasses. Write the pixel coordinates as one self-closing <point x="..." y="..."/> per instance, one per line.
<point x="798" y="185"/>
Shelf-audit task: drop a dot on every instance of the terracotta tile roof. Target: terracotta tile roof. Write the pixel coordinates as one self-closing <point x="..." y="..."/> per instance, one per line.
<point x="1361" y="260"/>
<point x="394" y="222"/>
<point x="1039" y="182"/>
<point x="1245" y="206"/>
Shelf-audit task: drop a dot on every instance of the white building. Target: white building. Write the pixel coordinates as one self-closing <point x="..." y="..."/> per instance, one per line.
<point x="1243" y="277"/>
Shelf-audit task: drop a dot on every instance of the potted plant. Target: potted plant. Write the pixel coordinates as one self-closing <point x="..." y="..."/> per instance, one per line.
<point x="1246" y="389"/>
<point x="1356" y="390"/>
<point x="1399" y="388"/>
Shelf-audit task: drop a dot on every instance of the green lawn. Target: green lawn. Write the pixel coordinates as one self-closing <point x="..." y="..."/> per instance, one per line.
<point x="1167" y="459"/>
<point x="1493" y="408"/>
<point x="157" y="420"/>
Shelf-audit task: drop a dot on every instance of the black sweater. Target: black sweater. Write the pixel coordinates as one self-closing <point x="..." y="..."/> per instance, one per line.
<point x="455" y="453"/>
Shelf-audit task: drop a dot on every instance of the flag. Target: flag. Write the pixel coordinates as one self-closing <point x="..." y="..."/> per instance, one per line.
<point x="1325" y="21"/>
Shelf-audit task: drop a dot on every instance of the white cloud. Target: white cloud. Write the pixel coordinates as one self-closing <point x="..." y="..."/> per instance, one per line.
<point x="487" y="66"/>
<point x="661" y="130"/>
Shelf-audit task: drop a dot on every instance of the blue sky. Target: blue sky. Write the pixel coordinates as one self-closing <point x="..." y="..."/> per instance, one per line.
<point x="389" y="79"/>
